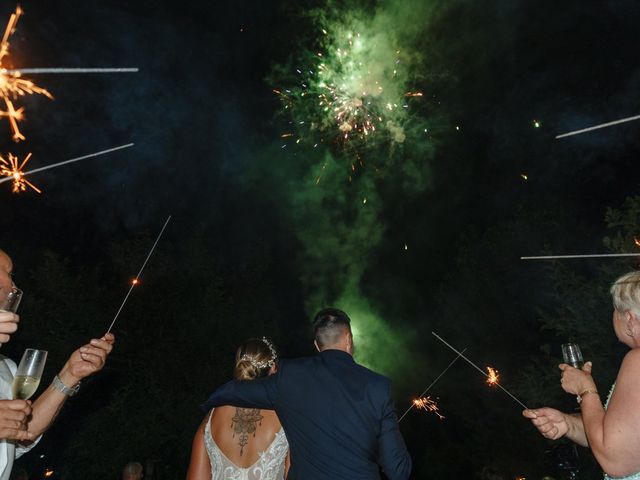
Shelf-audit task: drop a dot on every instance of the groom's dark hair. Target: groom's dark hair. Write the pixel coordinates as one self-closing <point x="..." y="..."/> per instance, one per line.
<point x="328" y="325"/>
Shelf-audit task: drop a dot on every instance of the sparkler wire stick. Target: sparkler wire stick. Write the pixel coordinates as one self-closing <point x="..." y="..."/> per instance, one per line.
<point x="77" y="159"/>
<point x="135" y="280"/>
<point x="431" y="385"/>
<point x="596" y="255"/>
<point x="478" y="368"/>
<point x="602" y="125"/>
<point x="37" y="71"/>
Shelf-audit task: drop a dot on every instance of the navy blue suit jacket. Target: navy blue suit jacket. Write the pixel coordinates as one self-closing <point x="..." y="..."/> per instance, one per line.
<point x="338" y="417"/>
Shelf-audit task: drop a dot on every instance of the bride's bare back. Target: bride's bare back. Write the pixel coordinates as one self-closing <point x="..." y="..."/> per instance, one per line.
<point x="243" y="433"/>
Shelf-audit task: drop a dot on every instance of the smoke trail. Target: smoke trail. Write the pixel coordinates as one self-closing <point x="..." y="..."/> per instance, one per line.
<point x="341" y="175"/>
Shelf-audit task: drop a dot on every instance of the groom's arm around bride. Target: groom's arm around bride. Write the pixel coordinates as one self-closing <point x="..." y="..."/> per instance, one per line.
<point x="338" y="416"/>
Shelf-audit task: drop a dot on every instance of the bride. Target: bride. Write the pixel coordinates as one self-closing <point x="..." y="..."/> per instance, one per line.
<point x="242" y="443"/>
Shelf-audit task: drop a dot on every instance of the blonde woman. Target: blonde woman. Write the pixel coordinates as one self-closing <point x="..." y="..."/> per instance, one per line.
<point x="242" y="443"/>
<point x="610" y="430"/>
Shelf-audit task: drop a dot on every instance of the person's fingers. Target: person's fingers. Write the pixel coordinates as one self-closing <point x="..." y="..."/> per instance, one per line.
<point x="15" y="405"/>
<point x="8" y="327"/>
<point x="93" y="355"/>
<point x="95" y="360"/>
<point x="529" y="413"/>
<point x="102" y="344"/>
<point x="16" y="434"/>
<point x="9" y="317"/>
<point x="94" y="351"/>
<point x="17" y="423"/>
<point x="587" y="367"/>
<point x="109" y="338"/>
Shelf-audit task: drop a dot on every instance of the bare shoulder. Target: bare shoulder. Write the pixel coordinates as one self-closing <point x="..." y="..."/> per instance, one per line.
<point x="630" y="363"/>
<point x="627" y="391"/>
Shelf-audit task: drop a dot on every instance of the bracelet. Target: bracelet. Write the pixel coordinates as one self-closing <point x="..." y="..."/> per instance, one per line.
<point x="62" y="388"/>
<point x="586" y="392"/>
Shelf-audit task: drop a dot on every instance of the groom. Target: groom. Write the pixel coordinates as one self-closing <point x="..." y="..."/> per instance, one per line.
<point x="338" y="416"/>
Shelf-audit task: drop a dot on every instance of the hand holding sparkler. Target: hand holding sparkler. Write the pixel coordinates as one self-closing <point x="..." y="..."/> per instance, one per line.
<point x="87" y="360"/>
<point x="551" y="423"/>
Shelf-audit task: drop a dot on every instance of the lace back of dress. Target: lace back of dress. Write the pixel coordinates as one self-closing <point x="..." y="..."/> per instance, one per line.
<point x="270" y="465"/>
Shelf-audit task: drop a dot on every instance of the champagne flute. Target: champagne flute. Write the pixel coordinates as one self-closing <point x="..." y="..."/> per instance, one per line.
<point x="12" y="301"/>
<point x="29" y="373"/>
<point x="572" y="355"/>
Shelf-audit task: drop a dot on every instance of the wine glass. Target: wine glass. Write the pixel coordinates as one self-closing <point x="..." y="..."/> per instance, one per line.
<point x="572" y="355"/>
<point x="12" y="301"/>
<point x="29" y="373"/>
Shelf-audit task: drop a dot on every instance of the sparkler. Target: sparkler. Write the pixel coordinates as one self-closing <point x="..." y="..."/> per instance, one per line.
<point x="602" y="125"/>
<point x="136" y="280"/>
<point x="428" y="405"/>
<point x="492" y="377"/>
<point x="493" y="382"/>
<point x="12" y="85"/>
<point x="57" y="70"/>
<point x="595" y="255"/>
<point x="12" y="170"/>
<point x="431" y="385"/>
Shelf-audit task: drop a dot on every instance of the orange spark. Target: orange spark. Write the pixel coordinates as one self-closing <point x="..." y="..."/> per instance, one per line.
<point x="428" y="405"/>
<point x="492" y="377"/>
<point x="413" y="94"/>
<point x="12" y="85"/>
<point x="11" y="167"/>
<point x="48" y="473"/>
<point x="135" y="281"/>
<point x="637" y="242"/>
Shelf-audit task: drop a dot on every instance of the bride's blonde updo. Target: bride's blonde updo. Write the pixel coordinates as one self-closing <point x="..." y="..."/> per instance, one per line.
<point x="254" y="359"/>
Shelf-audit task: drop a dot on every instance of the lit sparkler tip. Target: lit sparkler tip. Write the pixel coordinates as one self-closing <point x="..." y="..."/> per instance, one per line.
<point x="12" y="168"/>
<point x="492" y="376"/>
<point x="135" y="281"/>
<point x="428" y="405"/>
<point x="636" y="241"/>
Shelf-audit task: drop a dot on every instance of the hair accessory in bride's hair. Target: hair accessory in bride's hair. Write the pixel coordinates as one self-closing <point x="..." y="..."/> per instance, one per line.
<point x="265" y="363"/>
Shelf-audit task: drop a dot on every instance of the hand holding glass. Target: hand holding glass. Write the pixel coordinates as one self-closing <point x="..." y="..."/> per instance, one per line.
<point x="29" y="373"/>
<point x="572" y="355"/>
<point x="12" y="301"/>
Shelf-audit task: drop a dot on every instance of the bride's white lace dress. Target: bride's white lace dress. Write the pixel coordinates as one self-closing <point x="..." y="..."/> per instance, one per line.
<point x="269" y="466"/>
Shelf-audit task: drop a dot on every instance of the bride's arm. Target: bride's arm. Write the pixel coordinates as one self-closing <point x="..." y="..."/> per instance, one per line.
<point x="287" y="464"/>
<point x="199" y="466"/>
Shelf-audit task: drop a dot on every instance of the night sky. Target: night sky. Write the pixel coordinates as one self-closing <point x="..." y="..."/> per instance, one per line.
<point x="423" y="233"/>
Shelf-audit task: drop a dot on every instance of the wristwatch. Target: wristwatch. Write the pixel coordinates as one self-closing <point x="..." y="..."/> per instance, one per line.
<point x="62" y="388"/>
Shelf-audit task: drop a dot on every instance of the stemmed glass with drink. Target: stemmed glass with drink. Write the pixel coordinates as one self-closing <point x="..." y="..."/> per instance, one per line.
<point x="29" y="373"/>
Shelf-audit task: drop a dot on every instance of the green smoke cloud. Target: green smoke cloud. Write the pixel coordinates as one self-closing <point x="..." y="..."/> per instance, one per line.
<point x="340" y="172"/>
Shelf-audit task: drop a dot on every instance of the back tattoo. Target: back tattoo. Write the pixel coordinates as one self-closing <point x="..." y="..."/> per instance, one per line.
<point x="244" y="422"/>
